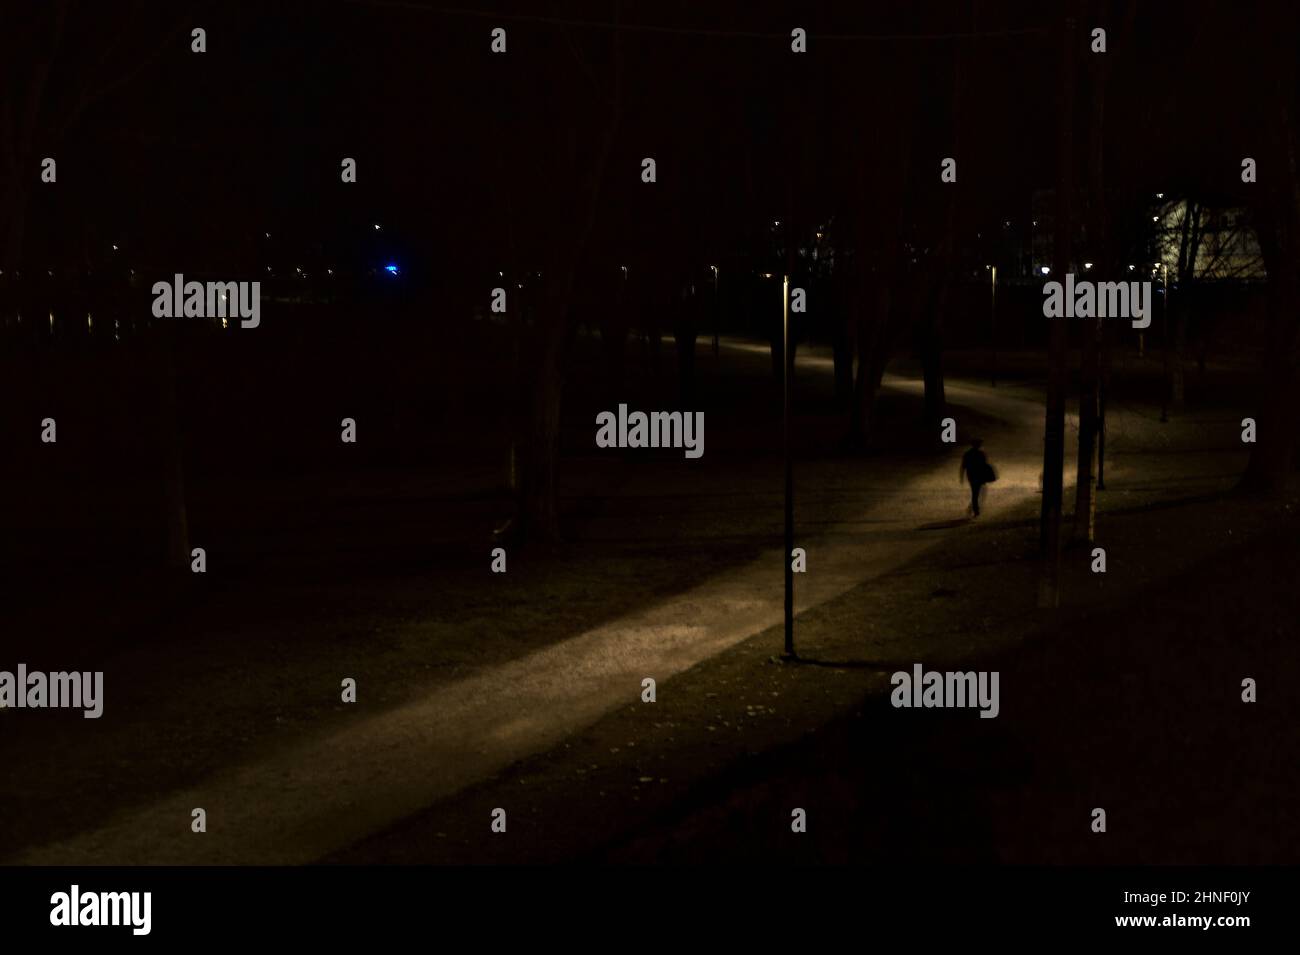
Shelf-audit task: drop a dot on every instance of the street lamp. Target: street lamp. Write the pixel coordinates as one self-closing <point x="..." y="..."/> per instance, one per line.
<point x="993" y="322"/>
<point x="1164" y="403"/>
<point x="715" y="312"/>
<point x="787" y="558"/>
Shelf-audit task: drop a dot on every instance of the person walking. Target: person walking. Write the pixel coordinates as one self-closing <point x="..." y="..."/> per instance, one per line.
<point x="975" y="469"/>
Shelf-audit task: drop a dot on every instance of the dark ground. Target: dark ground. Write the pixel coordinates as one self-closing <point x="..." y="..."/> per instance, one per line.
<point x="367" y="567"/>
<point x="1129" y="699"/>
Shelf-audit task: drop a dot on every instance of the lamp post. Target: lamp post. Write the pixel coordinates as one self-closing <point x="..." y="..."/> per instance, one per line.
<point x="993" y="322"/>
<point x="787" y="558"/>
<point x="1164" y="401"/>
<point x="715" y="312"/>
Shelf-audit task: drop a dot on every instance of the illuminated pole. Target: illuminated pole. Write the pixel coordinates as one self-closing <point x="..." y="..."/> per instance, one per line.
<point x="715" y="312"/>
<point x="993" y="323"/>
<point x="1164" y="401"/>
<point x="789" y="473"/>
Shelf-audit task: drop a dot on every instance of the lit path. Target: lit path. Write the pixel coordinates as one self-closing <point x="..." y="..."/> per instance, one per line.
<point x="320" y="795"/>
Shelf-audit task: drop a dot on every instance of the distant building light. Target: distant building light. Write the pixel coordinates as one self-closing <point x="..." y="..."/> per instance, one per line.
<point x="390" y="269"/>
<point x="1160" y="195"/>
<point x="1045" y="270"/>
<point x="1087" y="265"/>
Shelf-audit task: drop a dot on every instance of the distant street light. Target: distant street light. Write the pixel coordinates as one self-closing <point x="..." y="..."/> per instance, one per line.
<point x="787" y="559"/>
<point x="715" y="312"/>
<point x="993" y="322"/>
<point x="1164" y="402"/>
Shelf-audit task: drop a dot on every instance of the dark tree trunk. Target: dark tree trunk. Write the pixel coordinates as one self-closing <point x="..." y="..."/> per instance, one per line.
<point x="1085" y="498"/>
<point x="539" y="491"/>
<point x="1049" y="588"/>
<point x="1090" y="387"/>
<point x="567" y="241"/>
<point x="873" y="329"/>
<point x="937" y="303"/>
<point x="932" y="355"/>
<point x="613" y="341"/>
<point x="13" y="215"/>
<point x="171" y="454"/>
<point x="842" y="346"/>
<point x="1272" y="456"/>
<point x="1277" y="219"/>
<point x="684" y="335"/>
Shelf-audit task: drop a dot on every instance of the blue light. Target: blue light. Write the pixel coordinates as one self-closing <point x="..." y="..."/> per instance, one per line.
<point x="390" y="269"/>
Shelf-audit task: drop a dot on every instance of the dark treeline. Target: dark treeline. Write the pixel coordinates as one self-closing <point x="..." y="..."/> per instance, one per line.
<point x="525" y="171"/>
